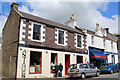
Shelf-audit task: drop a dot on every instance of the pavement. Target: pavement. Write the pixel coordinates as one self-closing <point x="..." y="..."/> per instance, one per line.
<point x="115" y="76"/>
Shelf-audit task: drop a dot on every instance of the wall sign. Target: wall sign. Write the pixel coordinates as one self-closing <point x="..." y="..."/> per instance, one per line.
<point x="23" y="69"/>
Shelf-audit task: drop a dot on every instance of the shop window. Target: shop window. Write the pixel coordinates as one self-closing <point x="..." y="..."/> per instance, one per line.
<point x="53" y="61"/>
<point x="35" y="62"/>
<point x="79" y="59"/>
<point x="113" y="58"/>
<point x="37" y="32"/>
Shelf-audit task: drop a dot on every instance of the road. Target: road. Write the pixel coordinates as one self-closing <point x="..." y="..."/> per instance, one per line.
<point x="115" y="76"/>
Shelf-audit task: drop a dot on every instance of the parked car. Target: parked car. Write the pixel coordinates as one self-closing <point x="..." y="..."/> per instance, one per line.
<point x="109" y="68"/>
<point x="83" y="70"/>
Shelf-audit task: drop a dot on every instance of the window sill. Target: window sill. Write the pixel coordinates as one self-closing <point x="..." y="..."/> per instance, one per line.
<point x="61" y="44"/>
<point x="37" y="40"/>
<point x="36" y="73"/>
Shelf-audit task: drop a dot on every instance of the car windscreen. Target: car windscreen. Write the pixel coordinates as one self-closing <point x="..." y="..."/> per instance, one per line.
<point x="74" y="66"/>
<point x="105" y="65"/>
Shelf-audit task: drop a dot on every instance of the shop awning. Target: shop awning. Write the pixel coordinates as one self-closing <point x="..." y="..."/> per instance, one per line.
<point x="98" y="56"/>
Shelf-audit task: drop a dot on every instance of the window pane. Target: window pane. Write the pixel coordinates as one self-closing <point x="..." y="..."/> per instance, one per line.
<point x="53" y="62"/>
<point x="37" y="32"/>
<point x="61" y="37"/>
<point x="78" y="41"/>
<point x="35" y="61"/>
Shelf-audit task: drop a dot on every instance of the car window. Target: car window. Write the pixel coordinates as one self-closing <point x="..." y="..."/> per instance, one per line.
<point x="91" y="66"/>
<point x="85" y="66"/>
<point x="105" y="65"/>
<point x="81" y="66"/>
<point x="74" y="66"/>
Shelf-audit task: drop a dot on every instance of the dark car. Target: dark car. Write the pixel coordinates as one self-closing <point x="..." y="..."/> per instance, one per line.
<point x="109" y="68"/>
<point x="83" y="70"/>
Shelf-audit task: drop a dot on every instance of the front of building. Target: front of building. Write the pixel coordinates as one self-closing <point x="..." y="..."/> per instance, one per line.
<point x="32" y="46"/>
<point x="37" y="45"/>
<point x="54" y="45"/>
<point x="102" y="46"/>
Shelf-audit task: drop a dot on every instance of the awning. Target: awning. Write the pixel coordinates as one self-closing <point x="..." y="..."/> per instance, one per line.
<point x="98" y="56"/>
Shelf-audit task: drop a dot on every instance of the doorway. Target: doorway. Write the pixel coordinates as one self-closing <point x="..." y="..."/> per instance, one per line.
<point x="67" y="63"/>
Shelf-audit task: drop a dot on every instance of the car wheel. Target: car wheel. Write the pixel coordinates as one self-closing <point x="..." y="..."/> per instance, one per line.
<point x="111" y="71"/>
<point x="83" y="76"/>
<point x="97" y="74"/>
<point x="118" y="71"/>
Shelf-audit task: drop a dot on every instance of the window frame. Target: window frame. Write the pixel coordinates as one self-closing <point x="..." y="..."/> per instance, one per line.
<point x="104" y="43"/>
<point x="77" y="41"/>
<point x="61" y="37"/>
<point x="80" y="41"/>
<point x="41" y="32"/>
<point x="92" y="40"/>
<point x="111" y="45"/>
<point x="58" y="37"/>
<point x="56" y="60"/>
<point x="40" y="63"/>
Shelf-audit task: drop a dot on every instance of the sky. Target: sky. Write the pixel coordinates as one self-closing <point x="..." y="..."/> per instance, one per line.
<point x="87" y="13"/>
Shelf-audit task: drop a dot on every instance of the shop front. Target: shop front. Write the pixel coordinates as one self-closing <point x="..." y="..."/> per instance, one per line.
<point x="97" y="56"/>
<point x="38" y="63"/>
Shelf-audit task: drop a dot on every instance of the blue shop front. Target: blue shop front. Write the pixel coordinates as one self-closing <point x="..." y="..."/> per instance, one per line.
<point x="97" y="56"/>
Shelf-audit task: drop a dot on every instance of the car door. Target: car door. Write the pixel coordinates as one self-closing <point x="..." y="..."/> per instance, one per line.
<point x="86" y="69"/>
<point x="92" y="69"/>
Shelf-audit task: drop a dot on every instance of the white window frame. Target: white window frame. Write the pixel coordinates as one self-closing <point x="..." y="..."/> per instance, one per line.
<point x="92" y="39"/>
<point x="58" y="37"/>
<point x="41" y="25"/>
<point x="81" y="41"/>
<point x="104" y="43"/>
<point x="112" y="45"/>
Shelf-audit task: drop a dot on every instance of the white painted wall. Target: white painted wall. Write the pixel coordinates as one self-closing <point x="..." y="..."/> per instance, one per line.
<point x="45" y="61"/>
<point x="98" y="43"/>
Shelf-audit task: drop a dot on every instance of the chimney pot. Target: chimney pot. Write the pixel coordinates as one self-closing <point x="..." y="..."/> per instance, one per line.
<point x="14" y="5"/>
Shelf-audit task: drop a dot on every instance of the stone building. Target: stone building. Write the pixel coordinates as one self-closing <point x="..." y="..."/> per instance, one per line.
<point x="102" y="46"/>
<point x="32" y="45"/>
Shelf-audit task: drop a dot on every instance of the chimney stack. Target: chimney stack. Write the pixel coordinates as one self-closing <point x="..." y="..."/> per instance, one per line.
<point x="72" y="22"/>
<point x="107" y="30"/>
<point x="14" y="5"/>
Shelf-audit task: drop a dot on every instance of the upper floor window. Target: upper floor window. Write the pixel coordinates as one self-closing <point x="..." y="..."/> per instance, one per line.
<point x="111" y="45"/>
<point x="92" y="40"/>
<point x="37" y="32"/>
<point x="79" y="41"/>
<point x="104" y="43"/>
<point x="60" y="37"/>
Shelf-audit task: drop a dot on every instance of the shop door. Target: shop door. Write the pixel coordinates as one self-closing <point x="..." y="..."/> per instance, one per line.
<point x="67" y="63"/>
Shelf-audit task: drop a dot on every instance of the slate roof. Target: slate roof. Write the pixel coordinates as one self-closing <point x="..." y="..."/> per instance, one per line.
<point x="49" y="22"/>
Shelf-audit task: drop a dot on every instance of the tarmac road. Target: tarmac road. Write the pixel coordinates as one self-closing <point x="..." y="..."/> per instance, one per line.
<point x="114" y="76"/>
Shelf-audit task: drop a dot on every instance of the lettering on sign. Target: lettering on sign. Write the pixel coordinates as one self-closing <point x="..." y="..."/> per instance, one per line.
<point x="23" y="64"/>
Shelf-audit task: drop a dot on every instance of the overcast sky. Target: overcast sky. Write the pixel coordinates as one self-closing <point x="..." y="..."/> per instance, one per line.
<point x="87" y="13"/>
